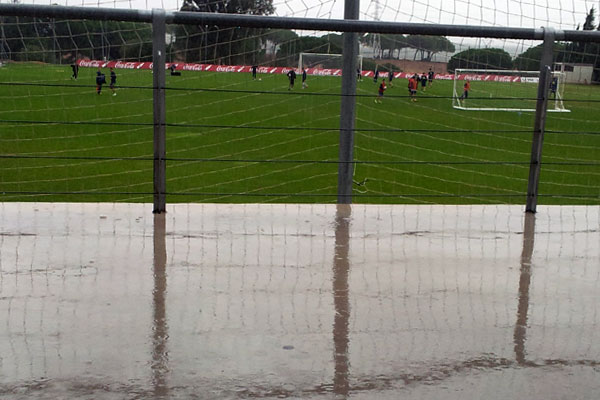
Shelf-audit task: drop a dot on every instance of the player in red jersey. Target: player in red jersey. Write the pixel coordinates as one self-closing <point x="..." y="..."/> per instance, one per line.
<point x="466" y="89"/>
<point x="382" y="88"/>
<point x="412" y="87"/>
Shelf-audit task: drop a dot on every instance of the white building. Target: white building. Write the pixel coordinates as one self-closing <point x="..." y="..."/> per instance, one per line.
<point x="575" y="73"/>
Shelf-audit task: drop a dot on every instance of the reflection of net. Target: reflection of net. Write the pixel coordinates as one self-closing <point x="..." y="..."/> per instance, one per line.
<point x="432" y="292"/>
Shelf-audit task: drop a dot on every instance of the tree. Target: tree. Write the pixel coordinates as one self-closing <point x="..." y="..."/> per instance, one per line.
<point x="480" y="59"/>
<point x="288" y="52"/>
<point x="590" y="19"/>
<point x="388" y="44"/>
<point x="428" y="46"/>
<point x="211" y="43"/>
<point x="55" y="41"/>
<point x="584" y="52"/>
<point x="530" y="59"/>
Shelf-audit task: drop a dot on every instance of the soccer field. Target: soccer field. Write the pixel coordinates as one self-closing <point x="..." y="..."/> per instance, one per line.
<point x="232" y="139"/>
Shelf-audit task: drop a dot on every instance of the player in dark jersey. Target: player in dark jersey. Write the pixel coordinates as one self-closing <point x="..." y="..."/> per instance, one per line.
<point x="423" y="81"/>
<point x="391" y="77"/>
<point x="304" y="84"/>
<point x="430" y="76"/>
<point x="75" y="69"/>
<point x="113" y="81"/>
<point x="358" y="74"/>
<point x="292" y="77"/>
<point x="254" y="67"/>
<point x="174" y="71"/>
<point x="376" y="76"/>
<point x="100" y="80"/>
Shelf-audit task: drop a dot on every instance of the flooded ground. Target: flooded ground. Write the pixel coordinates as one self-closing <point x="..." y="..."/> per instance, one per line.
<point x="108" y="301"/>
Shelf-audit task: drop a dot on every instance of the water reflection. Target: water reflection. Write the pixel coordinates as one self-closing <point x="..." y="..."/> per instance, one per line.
<point x="341" y="268"/>
<point x="160" y="355"/>
<point x="520" y="334"/>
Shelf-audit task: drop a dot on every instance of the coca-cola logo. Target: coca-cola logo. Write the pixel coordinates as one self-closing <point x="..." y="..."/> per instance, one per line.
<point x="192" y="67"/>
<point x="89" y="63"/>
<point x="125" y="65"/>
<point x="226" y="68"/>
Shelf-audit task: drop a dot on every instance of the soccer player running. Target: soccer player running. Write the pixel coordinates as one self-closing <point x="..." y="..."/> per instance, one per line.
<point x="382" y="88"/>
<point x="292" y="77"/>
<point x="412" y="87"/>
<point x="113" y="81"/>
<point x="391" y="77"/>
<point x="100" y="80"/>
<point x="304" y="84"/>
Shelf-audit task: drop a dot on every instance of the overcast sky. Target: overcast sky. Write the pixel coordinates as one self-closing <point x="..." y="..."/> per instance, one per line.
<point x="563" y="14"/>
<point x="560" y="14"/>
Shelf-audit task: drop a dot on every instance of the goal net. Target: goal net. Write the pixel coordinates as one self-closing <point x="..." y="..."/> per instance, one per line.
<point x="323" y="61"/>
<point x="505" y="90"/>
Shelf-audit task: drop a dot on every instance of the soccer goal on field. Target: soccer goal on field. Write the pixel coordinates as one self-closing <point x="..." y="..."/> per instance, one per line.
<point x="323" y="61"/>
<point x="504" y="90"/>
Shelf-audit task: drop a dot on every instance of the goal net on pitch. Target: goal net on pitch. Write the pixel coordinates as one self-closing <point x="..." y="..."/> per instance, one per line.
<point x="505" y="90"/>
<point x="323" y="61"/>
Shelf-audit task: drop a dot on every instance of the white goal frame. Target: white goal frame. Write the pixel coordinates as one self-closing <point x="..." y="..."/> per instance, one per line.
<point x="331" y="56"/>
<point x="554" y="105"/>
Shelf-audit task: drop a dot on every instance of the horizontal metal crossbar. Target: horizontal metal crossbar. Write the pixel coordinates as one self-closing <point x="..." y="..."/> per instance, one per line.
<point x="339" y="25"/>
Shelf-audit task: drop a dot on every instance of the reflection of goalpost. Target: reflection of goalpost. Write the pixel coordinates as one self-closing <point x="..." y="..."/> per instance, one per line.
<point x="323" y="60"/>
<point x="505" y="90"/>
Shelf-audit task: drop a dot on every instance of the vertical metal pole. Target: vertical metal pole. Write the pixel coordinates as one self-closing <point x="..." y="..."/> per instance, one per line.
<point x="158" y="70"/>
<point x="348" y="105"/>
<point x="540" y="120"/>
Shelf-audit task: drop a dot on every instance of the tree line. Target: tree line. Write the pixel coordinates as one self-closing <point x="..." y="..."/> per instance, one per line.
<point x="529" y="60"/>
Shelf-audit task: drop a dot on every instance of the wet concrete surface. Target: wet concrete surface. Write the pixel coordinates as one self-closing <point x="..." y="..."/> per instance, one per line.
<point x="108" y="301"/>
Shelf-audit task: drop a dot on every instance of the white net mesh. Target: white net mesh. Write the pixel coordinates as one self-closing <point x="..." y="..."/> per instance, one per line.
<point x="233" y="136"/>
<point x="504" y="90"/>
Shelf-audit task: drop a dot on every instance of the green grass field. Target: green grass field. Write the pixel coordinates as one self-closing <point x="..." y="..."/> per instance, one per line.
<point x="232" y="139"/>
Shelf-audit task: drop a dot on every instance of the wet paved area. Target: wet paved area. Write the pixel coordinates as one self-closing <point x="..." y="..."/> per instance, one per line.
<point x="108" y="301"/>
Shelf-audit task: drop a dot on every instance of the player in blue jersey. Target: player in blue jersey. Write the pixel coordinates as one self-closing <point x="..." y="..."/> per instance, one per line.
<point x="292" y="77"/>
<point x="100" y="80"/>
<point x="554" y="86"/>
